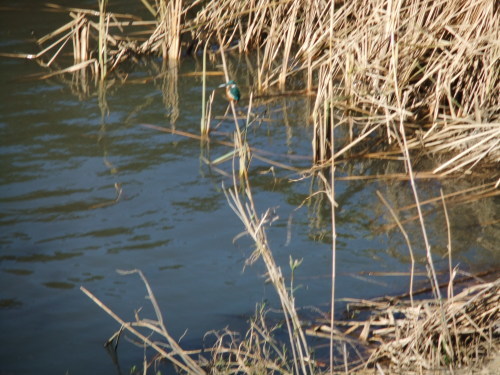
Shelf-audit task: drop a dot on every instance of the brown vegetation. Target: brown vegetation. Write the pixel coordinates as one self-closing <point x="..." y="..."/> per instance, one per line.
<point x="426" y="68"/>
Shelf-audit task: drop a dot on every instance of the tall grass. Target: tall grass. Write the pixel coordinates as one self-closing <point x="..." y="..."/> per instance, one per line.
<point x="432" y="65"/>
<point x="255" y="226"/>
<point x="435" y="64"/>
<point x="111" y="37"/>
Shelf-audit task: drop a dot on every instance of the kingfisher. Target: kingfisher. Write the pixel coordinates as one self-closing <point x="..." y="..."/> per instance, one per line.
<point x="232" y="91"/>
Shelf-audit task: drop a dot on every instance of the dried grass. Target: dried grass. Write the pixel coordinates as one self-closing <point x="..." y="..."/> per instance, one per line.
<point x="240" y="199"/>
<point x="166" y="346"/>
<point x="102" y="39"/>
<point x="431" y="66"/>
<point x="423" y="336"/>
<point x="433" y="63"/>
<point x="256" y="353"/>
<point x="464" y="335"/>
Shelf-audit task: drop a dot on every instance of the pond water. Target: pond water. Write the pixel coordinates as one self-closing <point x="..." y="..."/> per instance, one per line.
<point x="86" y="189"/>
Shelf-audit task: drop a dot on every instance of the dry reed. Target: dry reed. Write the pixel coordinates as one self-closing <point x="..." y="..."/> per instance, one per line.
<point x="102" y="39"/>
<point x="469" y="335"/>
<point x="167" y="349"/>
<point x="431" y="66"/>
<point x="240" y="199"/>
<point x="440" y="58"/>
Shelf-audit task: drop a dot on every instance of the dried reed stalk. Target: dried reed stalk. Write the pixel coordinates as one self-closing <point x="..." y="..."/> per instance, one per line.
<point x="407" y="239"/>
<point x="244" y="208"/>
<point x="170" y="349"/>
<point x="102" y="44"/>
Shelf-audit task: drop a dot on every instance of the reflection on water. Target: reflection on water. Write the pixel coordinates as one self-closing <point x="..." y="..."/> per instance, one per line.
<point x="85" y="190"/>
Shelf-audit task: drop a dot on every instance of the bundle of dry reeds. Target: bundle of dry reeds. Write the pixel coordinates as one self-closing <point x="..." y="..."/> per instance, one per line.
<point x="429" y="53"/>
<point x="433" y="63"/>
<point x="462" y="331"/>
<point x="429" y="335"/>
<point x="102" y="40"/>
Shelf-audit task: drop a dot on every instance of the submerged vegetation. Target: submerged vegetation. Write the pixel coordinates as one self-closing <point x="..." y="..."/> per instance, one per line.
<point x="401" y="78"/>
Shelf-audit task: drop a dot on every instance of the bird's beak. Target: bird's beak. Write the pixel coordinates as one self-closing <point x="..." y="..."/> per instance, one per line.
<point x="223" y="85"/>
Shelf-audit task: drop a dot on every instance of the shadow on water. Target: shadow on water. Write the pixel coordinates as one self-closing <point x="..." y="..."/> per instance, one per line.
<point x="85" y="190"/>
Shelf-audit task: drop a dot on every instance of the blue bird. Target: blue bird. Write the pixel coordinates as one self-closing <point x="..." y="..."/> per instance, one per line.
<point x="232" y="91"/>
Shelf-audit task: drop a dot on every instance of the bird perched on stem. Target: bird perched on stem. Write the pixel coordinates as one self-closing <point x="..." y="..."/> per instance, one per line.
<point x="232" y="91"/>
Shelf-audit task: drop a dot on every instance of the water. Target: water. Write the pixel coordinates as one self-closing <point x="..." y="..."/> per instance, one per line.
<point x="85" y="190"/>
